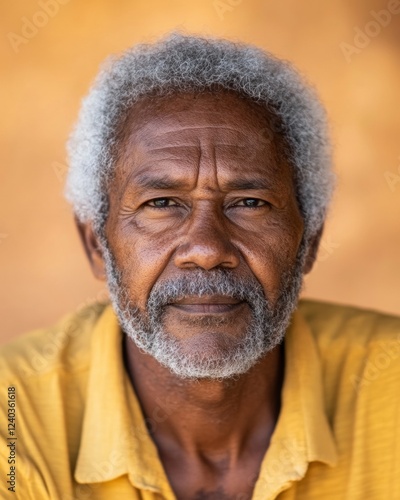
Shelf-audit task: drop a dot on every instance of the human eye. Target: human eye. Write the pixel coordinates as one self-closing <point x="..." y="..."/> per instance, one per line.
<point x="251" y="203"/>
<point x="162" y="203"/>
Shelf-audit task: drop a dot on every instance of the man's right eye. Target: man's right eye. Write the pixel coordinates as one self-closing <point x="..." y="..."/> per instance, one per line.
<point x="162" y="203"/>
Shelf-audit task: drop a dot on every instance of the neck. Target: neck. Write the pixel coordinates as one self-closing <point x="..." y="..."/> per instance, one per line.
<point x="208" y="417"/>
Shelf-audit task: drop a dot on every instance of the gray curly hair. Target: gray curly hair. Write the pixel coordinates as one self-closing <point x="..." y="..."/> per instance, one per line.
<point x="182" y="63"/>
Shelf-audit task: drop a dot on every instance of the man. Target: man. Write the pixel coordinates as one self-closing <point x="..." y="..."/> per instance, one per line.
<point x="200" y="179"/>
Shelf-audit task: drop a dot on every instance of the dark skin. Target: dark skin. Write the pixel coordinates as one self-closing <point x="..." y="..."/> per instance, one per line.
<point x="197" y="186"/>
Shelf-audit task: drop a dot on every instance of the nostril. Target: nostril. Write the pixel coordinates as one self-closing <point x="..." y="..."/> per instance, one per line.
<point x="207" y="255"/>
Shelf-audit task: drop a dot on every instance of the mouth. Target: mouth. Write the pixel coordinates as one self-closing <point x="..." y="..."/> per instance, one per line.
<point x="207" y="305"/>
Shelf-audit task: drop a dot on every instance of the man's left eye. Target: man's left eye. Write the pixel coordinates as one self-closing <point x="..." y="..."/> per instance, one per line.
<point x="251" y="203"/>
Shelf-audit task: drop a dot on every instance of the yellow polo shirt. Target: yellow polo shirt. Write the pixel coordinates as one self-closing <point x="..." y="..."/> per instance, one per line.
<point x="79" y="432"/>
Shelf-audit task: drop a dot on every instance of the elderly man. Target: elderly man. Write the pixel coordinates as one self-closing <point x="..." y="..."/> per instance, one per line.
<point x="200" y="179"/>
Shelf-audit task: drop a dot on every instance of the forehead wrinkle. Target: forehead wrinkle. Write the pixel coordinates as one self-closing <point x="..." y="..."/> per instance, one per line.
<point x="163" y="148"/>
<point x="208" y="156"/>
<point x="229" y="151"/>
<point x="165" y="134"/>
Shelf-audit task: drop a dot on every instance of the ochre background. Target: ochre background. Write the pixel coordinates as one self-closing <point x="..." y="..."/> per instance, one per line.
<point x="43" y="270"/>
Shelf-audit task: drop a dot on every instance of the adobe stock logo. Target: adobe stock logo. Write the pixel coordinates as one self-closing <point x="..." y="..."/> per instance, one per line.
<point x="221" y="7"/>
<point x="392" y="179"/>
<point x="30" y="27"/>
<point x="372" y="29"/>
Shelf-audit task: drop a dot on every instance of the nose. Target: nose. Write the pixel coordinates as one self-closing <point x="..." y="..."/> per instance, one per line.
<point x="207" y="245"/>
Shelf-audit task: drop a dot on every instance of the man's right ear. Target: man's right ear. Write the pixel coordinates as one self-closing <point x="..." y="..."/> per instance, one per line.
<point x="92" y="248"/>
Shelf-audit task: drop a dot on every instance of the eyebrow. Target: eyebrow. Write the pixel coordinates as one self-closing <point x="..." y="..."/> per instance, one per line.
<point x="248" y="184"/>
<point x="147" y="181"/>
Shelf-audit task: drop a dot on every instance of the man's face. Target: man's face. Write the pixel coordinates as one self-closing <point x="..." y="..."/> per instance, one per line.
<point x="203" y="234"/>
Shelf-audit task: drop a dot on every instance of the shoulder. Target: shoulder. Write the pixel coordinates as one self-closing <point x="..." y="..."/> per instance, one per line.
<point x="43" y="382"/>
<point x="62" y="347"/>
<point x="359" y="350"/>
<point x="330" y="323"/>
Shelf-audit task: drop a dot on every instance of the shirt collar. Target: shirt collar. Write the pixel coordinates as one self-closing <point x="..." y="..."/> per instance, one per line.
<point x="115" y="440"/>
<point x="302" y="433"/>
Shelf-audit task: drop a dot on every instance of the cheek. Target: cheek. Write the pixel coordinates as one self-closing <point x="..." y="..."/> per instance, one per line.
<point x="269" y="256"/>
<point x="142" y="259"/>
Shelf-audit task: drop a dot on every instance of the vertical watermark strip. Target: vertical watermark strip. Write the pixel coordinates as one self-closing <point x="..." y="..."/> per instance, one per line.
<point x="12" y="439"/>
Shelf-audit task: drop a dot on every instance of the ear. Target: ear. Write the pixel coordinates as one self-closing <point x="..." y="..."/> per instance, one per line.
<point x="92" y="248"/>
<point x="313" y="251"/>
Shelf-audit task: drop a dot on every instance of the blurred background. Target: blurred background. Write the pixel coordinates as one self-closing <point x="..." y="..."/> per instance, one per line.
<point x="50" y="51"/>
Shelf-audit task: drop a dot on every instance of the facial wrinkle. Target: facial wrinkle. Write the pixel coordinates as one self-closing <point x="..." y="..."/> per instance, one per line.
<point x="208" y="169"/>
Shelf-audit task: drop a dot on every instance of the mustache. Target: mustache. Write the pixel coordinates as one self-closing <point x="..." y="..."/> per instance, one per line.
<point x="200" y="283"/>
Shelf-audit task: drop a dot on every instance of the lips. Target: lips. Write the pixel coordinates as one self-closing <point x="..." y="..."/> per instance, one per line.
<point x="215" y="304"/>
